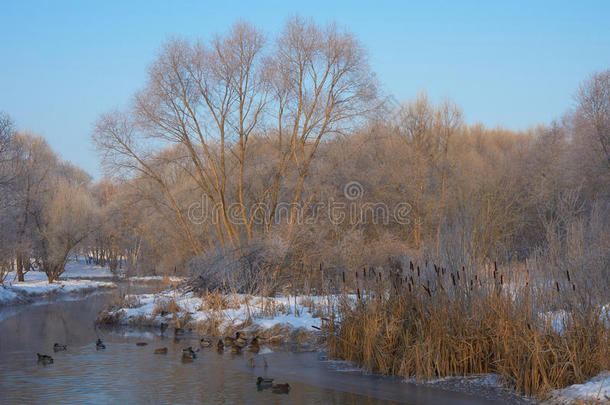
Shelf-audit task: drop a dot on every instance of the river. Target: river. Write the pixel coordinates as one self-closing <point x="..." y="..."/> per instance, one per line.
<point x="125" y="373"/>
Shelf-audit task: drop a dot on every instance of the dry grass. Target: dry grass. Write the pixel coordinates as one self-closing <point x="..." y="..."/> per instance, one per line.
<point x="435" y="323"/>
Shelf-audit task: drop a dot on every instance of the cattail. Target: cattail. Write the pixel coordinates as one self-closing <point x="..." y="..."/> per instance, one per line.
<point x="568" y="274"/>
<point x="343" y="276"/>
<point x="409" y="285"/>
<point x="427" y="290"/>
<point x="379" y="276"/>
<point x="457" y="273"/>
<point x="573" y="287"/>
<point x="443" y="270"/>
<point x="426" y="263"/>
<point x="412" y="281"/>
<point x="471" y="284"/>
<point x="358" y="292"/>
<point x="428" y="283"/>
<point x="453" y="278"/>
<point x="501" y="279"/>
<point x="411" y="265"/>
<point x="364" y="272"/>
<point x="463" y="269"/>
<point x="417" y="271"/>
<point x="557" y="285"/>
<point x="356" y="275"/>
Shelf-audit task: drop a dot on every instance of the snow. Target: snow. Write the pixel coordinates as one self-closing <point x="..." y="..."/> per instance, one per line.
<point x="596" y="390"/>
<point x="76" y="278"/>
<point x="265" y="313"/>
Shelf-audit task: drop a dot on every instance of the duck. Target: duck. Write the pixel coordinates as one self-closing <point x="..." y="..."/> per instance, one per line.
<point x="220" y="345"/>
<point x="264" y="383"/>
<point x="254" y="346"/>
<point x="239" y="340"/>
<point x="44" y="359"/>
<point x="203" y="342"/>
<point x="235" y="349"/>
<point x="189" y="354"/>
<point x="178" y="331"/>
<point x="280" y="388"/>
<point x="59" y="347"/>
<point x="162" y="350"/>
<point x="163" y="326"/>
<point x="99" y="345"/>
<point x="141" y="343"/>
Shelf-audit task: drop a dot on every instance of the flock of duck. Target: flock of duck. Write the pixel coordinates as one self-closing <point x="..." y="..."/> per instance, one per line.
<point x="236" y="344"/>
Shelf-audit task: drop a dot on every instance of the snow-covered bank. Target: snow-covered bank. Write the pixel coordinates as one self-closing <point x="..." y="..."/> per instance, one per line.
<point x="286" y="318"/>
<point x="77" y="278"/>
<point x="594" y="391"/>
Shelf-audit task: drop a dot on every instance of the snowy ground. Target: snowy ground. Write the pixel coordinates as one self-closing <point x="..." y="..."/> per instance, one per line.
<point x="77" y="278"/>
<point x="594" y="391"/>
<point x="224" y="313"/>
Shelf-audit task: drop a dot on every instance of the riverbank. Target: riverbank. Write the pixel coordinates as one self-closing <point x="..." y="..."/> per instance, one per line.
<point x="292" y="320"/>
<point x="295" y="320"/>
<point x="78" y="278"/>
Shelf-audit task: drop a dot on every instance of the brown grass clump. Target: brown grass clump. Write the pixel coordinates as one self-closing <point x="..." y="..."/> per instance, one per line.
<point x="433" y="326"/>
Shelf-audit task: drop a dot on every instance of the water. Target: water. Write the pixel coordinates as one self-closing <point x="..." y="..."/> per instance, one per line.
<point x="126" y="373"/>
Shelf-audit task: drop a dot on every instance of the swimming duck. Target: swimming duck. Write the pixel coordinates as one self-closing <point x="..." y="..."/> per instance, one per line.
<point x="44" y="359"/>
<point x="264" y="383"/>
<point x="280" y="388"/>
<point x="163" y="327"/>
<point x="141" y="343"/>
<point x="240" y="340"/>
<point x="99" y="345"/>
<point x="58" y="348"/>
<point x="203" y="342"/>
<point x="235" y="349"/>
<point x="178" y="331"/>
<point x="189" y="353"/>
<point x="220" y="345"/>
<point x="162" y="350"/>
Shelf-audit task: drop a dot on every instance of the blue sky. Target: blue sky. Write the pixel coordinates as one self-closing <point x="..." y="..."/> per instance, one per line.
<point x="513" y="64"/>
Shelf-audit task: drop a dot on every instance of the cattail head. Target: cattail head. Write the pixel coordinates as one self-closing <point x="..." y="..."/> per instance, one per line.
<point x="568" y="274"/>
<point x="501" y="279"/>
<point x="411" y="265"/>
<point x="343" y="276"/>
<point x="417" y="271"/>
<point x="557" y="285"/>
<point x="453" y="278"/>
<point x="358" y="292"/>
<point x="573" y="287"/>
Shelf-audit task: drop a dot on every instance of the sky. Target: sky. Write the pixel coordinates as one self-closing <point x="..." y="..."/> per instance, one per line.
<point x="513" y="64"/>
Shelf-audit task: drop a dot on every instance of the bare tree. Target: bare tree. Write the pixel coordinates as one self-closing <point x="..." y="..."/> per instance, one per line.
<point x="593" y="99"/>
